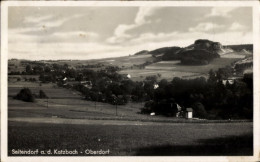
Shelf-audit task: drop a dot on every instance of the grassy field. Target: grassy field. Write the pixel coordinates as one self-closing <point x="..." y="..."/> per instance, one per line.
<point x="214" y="65"/>
<point x="66" y="121"/>
<point x="125" y="61"/>
<point x="65" y="103"/>
<point x="171" y="69"/>
<point x="147" y="139"/>
<point x="51" y="90"/>
<point x="140" y="74"/>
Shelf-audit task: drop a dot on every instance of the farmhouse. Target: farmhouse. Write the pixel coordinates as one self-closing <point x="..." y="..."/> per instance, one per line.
<point x="126" y="76"/>
<point x="230" y="81"/>
<point x="189" y="112"/>
<point x="87" y="84"/>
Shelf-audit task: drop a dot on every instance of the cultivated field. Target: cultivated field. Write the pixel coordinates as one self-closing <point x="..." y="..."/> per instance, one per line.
<point x="171" y="69"/>
<point x="122" y="62"/>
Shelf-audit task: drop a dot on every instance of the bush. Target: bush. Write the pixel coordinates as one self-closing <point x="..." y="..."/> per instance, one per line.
<point x="25" y="95"/>
<point x="199" y="110"/>
<point x="42" y="94"/>
<point x="148" y="107"/>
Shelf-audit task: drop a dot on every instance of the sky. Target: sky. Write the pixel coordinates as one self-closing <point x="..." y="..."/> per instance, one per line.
<point x="44" y="33"/>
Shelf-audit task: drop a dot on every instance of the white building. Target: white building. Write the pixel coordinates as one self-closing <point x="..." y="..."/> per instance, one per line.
<point x="189" y="113"/>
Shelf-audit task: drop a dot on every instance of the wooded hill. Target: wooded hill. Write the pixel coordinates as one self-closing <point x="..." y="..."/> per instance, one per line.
<point x="202" y="52"/>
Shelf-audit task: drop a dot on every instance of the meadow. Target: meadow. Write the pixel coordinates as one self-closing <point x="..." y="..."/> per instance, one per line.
<point x="122" y="62"/>
<point x="147" y="139"/>
<point x="66" y="103"/>
<point x="51" y="90"/>
<point x="74" y="123"/>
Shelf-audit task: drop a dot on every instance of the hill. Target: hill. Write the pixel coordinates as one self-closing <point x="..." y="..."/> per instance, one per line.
<point x="201" y="52"/>
<point x="197" y="57"/>
<point x="163" y="50"/>
<point x="143" y="52"/>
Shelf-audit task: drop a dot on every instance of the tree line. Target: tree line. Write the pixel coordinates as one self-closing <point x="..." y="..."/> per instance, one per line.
<point x="209" y="98"/>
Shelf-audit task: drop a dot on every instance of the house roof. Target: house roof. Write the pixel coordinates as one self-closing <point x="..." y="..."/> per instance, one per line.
<point x="189" y="109"/>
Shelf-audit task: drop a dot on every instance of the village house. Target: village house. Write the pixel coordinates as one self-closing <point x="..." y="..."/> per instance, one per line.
<point x="87" y="84"/>
<point x="230" y="80"/>
<point x="189" y="113"/>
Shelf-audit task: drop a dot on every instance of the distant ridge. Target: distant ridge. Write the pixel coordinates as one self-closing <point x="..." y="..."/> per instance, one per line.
<point x="202" y="51"/>
<point x="141" y="52"/>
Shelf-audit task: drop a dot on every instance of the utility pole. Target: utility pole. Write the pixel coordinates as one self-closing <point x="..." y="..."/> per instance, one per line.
<point x="116" y="108"/>
<point x="115" y="101"/>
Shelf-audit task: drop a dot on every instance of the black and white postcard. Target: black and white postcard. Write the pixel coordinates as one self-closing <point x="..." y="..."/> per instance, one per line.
<point x="157" y="81"/>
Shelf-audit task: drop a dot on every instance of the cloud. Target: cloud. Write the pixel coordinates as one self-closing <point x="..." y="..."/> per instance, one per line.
<point x="220" y="11"/>
<point x="206" y="27"/>
<point x="146" y="41"/>
<point x="120" y="33"/>
<point x="75" y="34"/>
<point x="90" y="50"/>
<point x="183" y="39"/>
<point x="58" y="50"/>
<point x="64" y="36"/>
<point x="237" y="27"/>
<point x="45" y="23"/>
<point x="33" y="19"/>
<point x="144" y="12"/>
<point x="16" y="35"/>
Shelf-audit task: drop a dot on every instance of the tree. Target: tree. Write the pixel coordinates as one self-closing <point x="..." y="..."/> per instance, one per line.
<point x="148" y="107"/>
<point x="224" y="73"/>
<point x="47" y="69"/>
<point x="163" y="83"/>
<point x="199" y="110"/>
<point x="25" y="95"/>
<point x="212" y="76"/>
<point x="65" y="66"/>
<point x="28" y="69"/>
<point x="152" y="78"/>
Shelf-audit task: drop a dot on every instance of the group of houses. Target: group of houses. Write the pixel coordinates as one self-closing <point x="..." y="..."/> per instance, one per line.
<point x="188" y="114"/>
